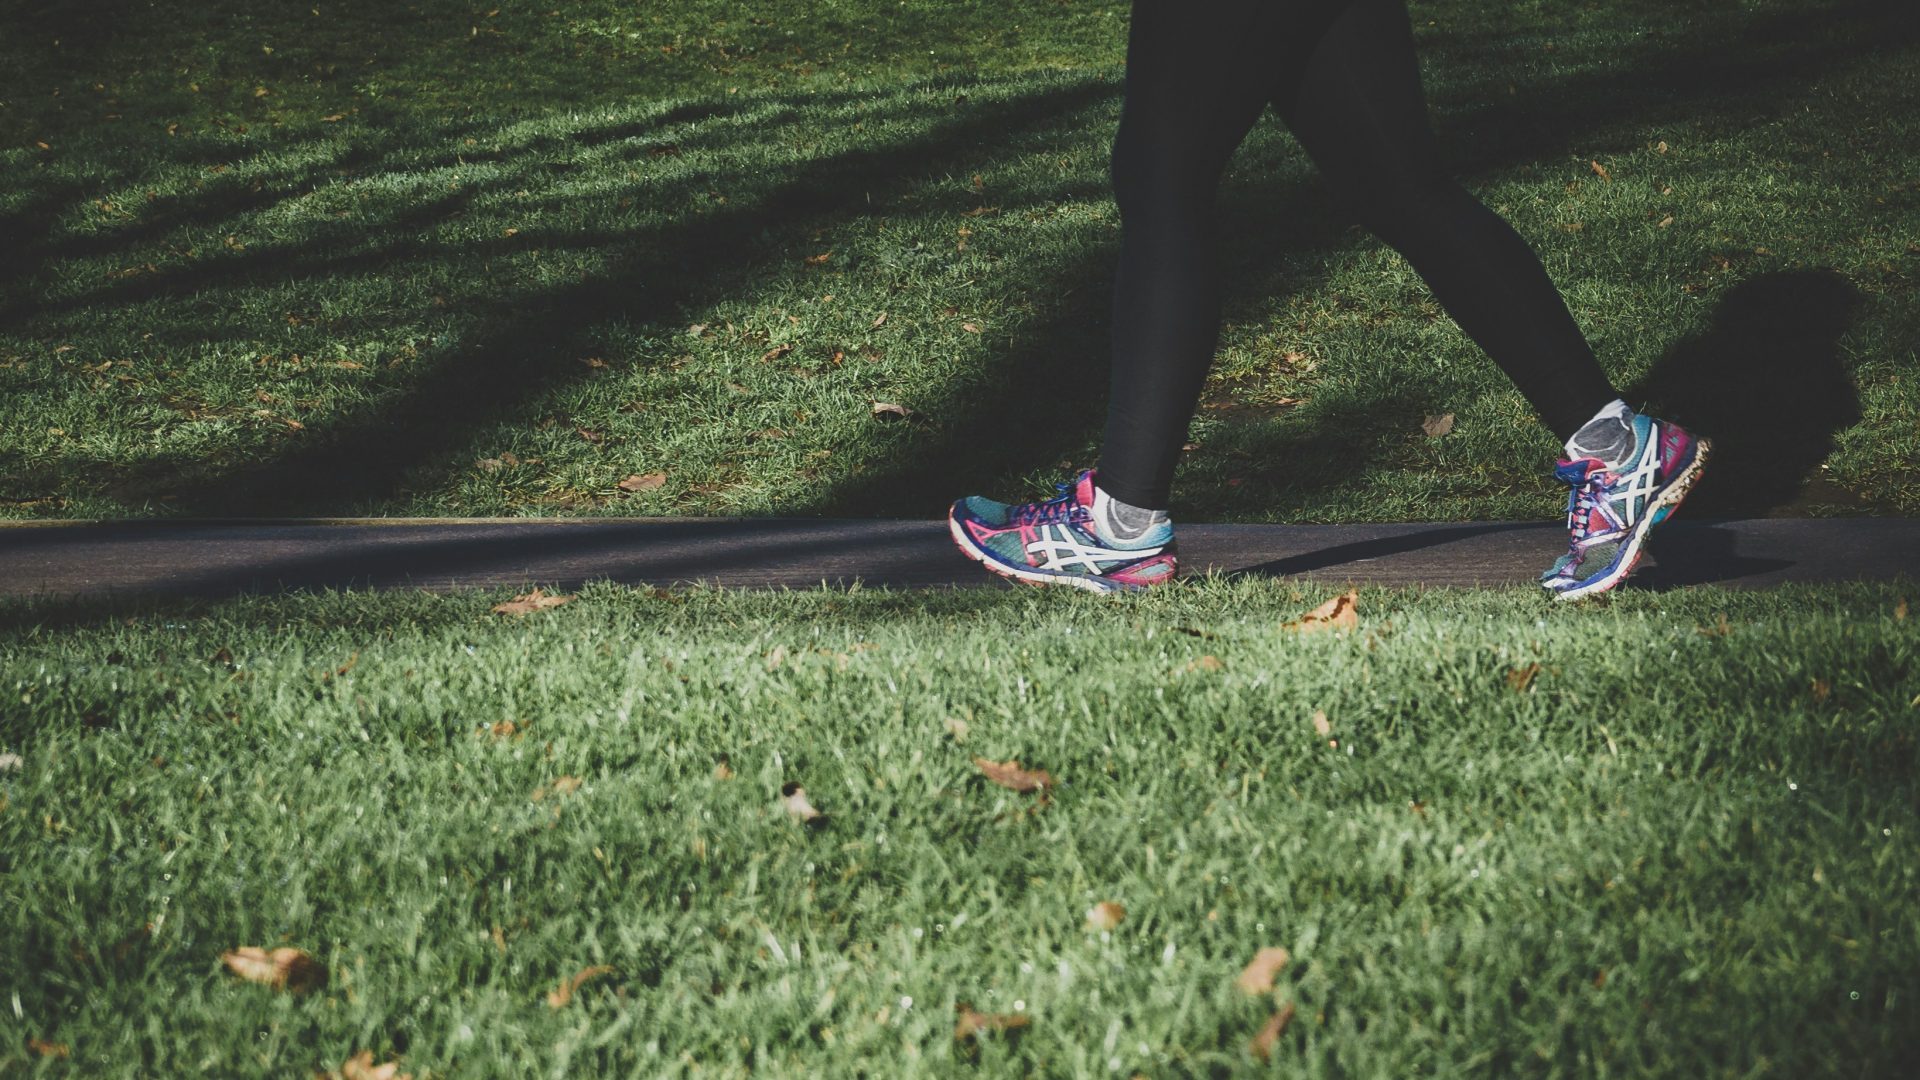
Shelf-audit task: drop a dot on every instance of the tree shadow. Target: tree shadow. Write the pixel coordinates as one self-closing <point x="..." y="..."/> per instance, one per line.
<point x="1041" y="400"/>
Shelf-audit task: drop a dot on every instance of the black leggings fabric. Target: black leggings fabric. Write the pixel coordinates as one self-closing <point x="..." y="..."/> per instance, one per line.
<point x="1342" y="75"/>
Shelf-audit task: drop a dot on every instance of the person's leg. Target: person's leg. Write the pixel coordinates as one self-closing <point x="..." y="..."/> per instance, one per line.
<point x="1199" y="73"/>
<point x="1358" y="110"/>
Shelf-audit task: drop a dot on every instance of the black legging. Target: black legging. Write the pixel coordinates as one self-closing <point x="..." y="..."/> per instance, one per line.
<point x="1342" y="74"/>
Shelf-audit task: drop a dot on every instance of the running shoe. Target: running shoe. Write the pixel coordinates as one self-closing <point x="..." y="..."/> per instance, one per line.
<point x="1054" y="542"/>
<point x="1610" y="513"/>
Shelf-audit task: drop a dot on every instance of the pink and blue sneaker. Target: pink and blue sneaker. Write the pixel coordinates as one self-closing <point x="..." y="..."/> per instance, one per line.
<point x="1058" y="542"/>
<point x="1609" y="512"/>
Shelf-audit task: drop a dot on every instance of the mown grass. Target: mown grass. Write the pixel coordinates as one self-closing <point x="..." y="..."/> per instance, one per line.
<point x="441" y="260"/>
<point x="1683" y="844"/>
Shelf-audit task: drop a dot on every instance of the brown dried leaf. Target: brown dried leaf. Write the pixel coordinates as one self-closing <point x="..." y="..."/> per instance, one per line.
<point x="1321" y="726"/>
<point x="361" y="1067"/>
<point x="1518" y="679"/>
<point x="1900" y="610"/>
<point x="48" y="1049"/>
<point x="1339" y="613"/>
<point x="285" y="968"/>
<point x="531" y="602"/>
<point x="1436" y="426"/>
<point x="1822" y="689"/>
<point x="1718" y="629"/>
<point x="565" y="785"/>
<point x="559" y="996"/>
<point x="1600" y="171"/>
<point x="970" y="328"/>
<point x="1206" y="663"/>
<point x="794" y="798"/>
<point x="1257" y="976"/>
<point x="1261" y="1045"/>
<point x="884" y="409"/>
<point x="1009" y="774"/>
<point x="643" y="482"/>
<point x="1105" y="915"/>
<point x="776" y="352"/>
<point x="504" y="729"/>
<point x="971" y="1023"/>
<point x="957" y="728"/>
<point x="722" y="771"/>
<point x="1664" y="222"/>
<point x="818" y="260"/>
<point x="878" y="320"/>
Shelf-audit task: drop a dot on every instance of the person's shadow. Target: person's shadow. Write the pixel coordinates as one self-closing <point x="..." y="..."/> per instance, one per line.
<point x="1768" y="384"/>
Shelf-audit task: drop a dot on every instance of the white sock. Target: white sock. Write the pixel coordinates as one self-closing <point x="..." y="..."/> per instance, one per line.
<point x="1118" y="521"/>
<point x="1608" y="436"/>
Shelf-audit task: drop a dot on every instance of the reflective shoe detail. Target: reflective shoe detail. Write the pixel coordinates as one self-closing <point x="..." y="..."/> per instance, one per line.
<point x="1054" y="542"/>
<point x="1610" y="513"/>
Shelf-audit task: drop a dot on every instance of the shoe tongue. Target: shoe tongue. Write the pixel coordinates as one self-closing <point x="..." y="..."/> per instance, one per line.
<point x="1083" y="489"/>
<point x="1575" y="470"/>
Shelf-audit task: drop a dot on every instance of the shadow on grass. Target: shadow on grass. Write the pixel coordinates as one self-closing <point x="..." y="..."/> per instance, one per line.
<point x="1022" y="413"/>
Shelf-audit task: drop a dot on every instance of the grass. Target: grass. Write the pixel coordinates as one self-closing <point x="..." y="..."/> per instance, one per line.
<point x="355" y="259"/>
<point x="1689" y="852"/>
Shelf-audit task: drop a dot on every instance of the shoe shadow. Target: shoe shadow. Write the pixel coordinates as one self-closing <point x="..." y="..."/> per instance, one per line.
<point x="1768" y="383"/>
<point x="1697" y="554"/>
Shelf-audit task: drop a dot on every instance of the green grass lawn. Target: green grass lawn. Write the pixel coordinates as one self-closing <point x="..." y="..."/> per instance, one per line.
<point x="1666" y="834"/>
<point x="447" y="259"/>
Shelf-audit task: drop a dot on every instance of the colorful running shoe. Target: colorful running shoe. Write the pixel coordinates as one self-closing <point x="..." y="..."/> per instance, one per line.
<point x="1610" y="513"/>
<point x="1054" y="542"/>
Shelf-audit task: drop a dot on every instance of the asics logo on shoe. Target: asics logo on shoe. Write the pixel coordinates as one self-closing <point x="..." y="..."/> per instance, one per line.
<point x="1058" y="546"/>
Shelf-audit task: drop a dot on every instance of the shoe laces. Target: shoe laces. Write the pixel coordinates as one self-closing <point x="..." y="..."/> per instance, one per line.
<point x="1062" y="507"/>
<point x="1587" y="496"/>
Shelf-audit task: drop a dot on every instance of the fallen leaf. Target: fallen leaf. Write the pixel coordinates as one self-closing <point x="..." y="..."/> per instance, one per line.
<point x="885" y="409"/>
<point x="1600" y="171"/>
<point x="1009" y="774"/>
<point x="1339" y="613"/>
<point x="1900" y="610"/>
<point x="559" y="996"/>
<point x="957" y="728"/>
<point x="776" y="657"/>
<point x="334" y="119"/>
<point x="971" y="1023"/>
<point x="1105" y="915"/>
<point x="639" y="482"/>
<point x="877" y="321"/>
<point x="510" y="231"/>
<point x="969" y="328"/>
<point x="565" y="785"/>
<point x="593" y="362"/>
<point x="1257" y="976"/>
<point x="361" y="1067"/>
<point x="816" y="260"/>
<point x="48" y="1049"/>
<point x="697" y="329"/>
<point x="1662" y="148"/>
<point x="1206" y="663"/>
<point x="794" y="798"/>
<point x="776" y="352"/>
<point x="504" y="729"/>
<point x="590" y="435"/>
<point x="285" y="968"/>
<point x="1436" y="426"/>
<point x="531" y="602"/>
<point x="1664" y="222"/>
<point x="1822" y="689"/>
<point x="722" y="771"/>
<point x="1262" y="1044"/>
<point x="1719" y="629"/>
<point x="1321" y="726"/>
<point x="11" y="762"/>
<point x="347" y="364"/>
<point x="1518" y="679"/>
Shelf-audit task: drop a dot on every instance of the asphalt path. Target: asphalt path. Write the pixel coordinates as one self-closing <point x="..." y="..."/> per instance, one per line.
<point x="217" y="558"/>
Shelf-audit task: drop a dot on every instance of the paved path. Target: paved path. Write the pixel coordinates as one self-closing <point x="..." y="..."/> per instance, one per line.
<point x="222" y="558"/>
